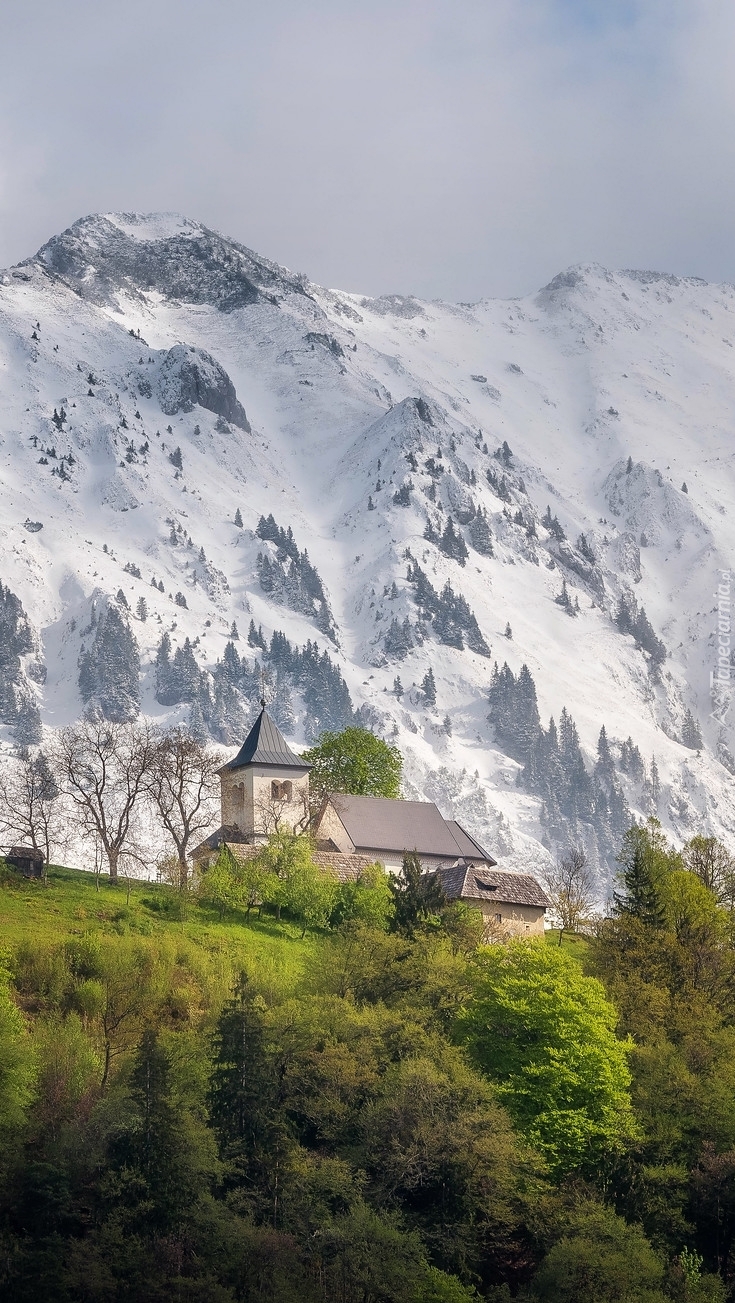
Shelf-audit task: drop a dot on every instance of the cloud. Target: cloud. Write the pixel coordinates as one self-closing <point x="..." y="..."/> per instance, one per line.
<point x="448" y="149"/>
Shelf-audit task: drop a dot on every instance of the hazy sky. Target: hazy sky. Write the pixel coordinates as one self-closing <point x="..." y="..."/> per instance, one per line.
<point x="453" y="148"/>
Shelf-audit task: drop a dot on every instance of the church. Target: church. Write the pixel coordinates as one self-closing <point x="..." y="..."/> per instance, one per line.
<point x="266" y="787"/>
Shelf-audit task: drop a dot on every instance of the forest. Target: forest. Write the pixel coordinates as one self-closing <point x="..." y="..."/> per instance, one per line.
<point x="204" y="1101"/>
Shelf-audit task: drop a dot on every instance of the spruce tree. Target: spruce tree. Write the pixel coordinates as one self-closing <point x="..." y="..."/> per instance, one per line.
<point x="416" y="895"/>
<point x="27" y="731"/>
<point x="238" y="518"/>
<point x="641" y="873"/>
<point x="691" y="734"/>
<point x="243" y="1095"/>
<point x="428" y="688"/>
<point x="480" y="534"/>
<point x="109" y="672"/>
<point x="605" y="764"/>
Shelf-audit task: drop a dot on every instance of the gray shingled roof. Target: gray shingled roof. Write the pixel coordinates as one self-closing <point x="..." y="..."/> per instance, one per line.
<point x="379" y="824"/>
<point x="462" y="881"/>
<point x="266" y="745"/>
<point x="228" y="832"/>
<point x="346" y="868"/>
<point x="469" y="848"/>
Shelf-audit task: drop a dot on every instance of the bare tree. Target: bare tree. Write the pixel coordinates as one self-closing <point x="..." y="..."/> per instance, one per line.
<point x="104" y="768"/>
<point x="30" y="808"/>
<point x="183" y="786"/>
<point x="570" y="885"/>
<point x="712" y="863"/>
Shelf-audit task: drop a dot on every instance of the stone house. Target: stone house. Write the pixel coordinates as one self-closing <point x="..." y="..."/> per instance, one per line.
<point x="512" y="904"/>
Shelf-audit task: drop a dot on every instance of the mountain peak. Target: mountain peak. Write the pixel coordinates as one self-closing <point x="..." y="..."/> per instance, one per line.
<point x="106" y="253"/>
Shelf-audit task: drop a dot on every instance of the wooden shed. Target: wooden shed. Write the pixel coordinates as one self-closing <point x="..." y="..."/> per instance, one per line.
<point x="27" y="861"/>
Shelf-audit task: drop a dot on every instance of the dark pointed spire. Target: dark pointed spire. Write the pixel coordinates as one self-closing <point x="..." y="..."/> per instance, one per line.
<point x="266" y="745"/>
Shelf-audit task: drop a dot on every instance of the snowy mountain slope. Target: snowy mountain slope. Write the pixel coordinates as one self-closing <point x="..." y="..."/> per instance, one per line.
<point x="610" y="390"/>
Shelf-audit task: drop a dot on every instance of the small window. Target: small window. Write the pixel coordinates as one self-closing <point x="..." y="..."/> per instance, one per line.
<point x="280" y="791"/>
<point x="528" y="927"/>
<point x="498" y="918"/>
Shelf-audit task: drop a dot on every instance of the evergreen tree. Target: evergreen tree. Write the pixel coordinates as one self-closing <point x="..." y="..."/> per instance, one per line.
<point x="428" y="688"/>
<point x="238" y="518"/>
<point x="480" y="534"/>
<point x="417" y="896"/>
<point x="605" y="766"/>
<point x="631" y="760"/>
<point x="141" y="609"/>
<point x="281" y="706"/>
<point x="231" y="665"/>
<point x="242" y="1095"/>
<point x="654" y="784"/>
<point x="584" y="548"/>
<point x="452" y="544"/>
<point x="176" y="459"/>
<point x="158" y="1149"/>
<point x="691" y="734"/>
<point x="197" y="726"/>
<point x="27" y="731"/>
<point x="514" y="710"/>
<point x="552" y="524"/>
<point x="281" y="653"/>
<point x="397" y="688"/>
<point x="109" y="672"/>
<point x="234" y="634"/>
<point x="163" y="669"/>
<point x="398" y="639"/>
<point x="255" y="636"/>
<point x="642" y="871"/>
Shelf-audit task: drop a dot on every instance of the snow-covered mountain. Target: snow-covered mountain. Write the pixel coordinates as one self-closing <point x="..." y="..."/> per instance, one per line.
<point x="156" y="379"/>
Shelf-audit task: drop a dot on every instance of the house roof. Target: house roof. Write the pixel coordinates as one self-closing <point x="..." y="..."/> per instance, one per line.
<point x="228" y="832"/>
<point x="462" y="881"/>
<point x="377" y="823"/>
<point x="469" y="848"/>
<point x="346" y="868"/>
<point x="26" y="853"/>
<point x="266" y="745"/>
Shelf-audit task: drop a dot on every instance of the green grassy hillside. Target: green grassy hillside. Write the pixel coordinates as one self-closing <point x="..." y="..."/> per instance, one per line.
<point x="74" y="904"/>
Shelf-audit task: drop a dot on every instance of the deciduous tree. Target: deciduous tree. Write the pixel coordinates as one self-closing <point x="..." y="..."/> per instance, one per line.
<point x="355" y="761"/>
<point x="104" y="768"/>
<point x="183" y="786"/>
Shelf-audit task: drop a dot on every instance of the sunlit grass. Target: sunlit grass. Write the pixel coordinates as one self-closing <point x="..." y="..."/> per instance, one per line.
<point x="72" y="903"/>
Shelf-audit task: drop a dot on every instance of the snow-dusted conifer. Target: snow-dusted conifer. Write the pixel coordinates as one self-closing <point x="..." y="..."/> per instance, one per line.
<point x="428" y="688"/>
<point x="110" y="670"/>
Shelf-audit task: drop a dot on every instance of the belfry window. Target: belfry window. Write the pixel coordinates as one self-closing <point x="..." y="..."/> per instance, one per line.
<point x="281" y="791"/>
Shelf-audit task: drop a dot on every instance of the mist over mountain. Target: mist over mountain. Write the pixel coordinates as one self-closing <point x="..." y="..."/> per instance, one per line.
<point x="220" y="478"/>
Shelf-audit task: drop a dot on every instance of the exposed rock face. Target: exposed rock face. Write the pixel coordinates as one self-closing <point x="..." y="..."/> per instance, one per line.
<point x="189" y="376"/>
<point x="100" y="255"/>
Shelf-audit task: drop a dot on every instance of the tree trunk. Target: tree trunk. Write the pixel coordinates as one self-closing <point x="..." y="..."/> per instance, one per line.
<point x="106" y="1072"/>
<point x="112" y="858"/>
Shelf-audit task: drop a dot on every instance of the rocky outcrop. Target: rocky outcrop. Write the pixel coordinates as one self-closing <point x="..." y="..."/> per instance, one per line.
<point x="189" y="377"/>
